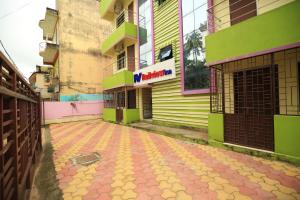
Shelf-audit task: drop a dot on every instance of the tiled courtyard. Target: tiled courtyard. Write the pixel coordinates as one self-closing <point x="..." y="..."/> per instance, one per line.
<point x="140" y="165"/>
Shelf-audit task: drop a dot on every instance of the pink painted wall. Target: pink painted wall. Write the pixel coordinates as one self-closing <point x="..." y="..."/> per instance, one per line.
<point x="58" y="110"/>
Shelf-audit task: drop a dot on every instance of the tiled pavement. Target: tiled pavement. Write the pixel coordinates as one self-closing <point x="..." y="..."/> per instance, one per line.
<point x="140" y="165"/>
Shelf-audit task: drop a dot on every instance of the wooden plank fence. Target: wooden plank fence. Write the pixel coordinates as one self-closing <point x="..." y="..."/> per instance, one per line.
<point x="20" y="132"/>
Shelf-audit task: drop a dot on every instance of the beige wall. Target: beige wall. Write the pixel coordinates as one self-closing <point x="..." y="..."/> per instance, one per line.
<point x="81" y="32"/>
<point x="288" y="80"/>
<point x="222" y="13"/>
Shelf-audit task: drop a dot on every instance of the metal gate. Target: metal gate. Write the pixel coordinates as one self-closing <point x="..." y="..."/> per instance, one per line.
<point x="250" y="121"/>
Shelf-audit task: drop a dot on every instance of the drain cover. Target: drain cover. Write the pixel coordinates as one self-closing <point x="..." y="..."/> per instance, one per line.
<point x="86" y="159"/>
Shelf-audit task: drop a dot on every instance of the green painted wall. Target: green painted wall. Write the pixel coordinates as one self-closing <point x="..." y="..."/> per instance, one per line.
<point x="272" y="29"/>
<point x="119" y="79"/>
<point x="169" y="105"/>
<point x="125" y="30"/>
<point x="287" y="135"/>
<point x="216" y="127"/>
<point x="109" y="114"/>
<point x="104" y="9"/>
<point x="131" y="115"/>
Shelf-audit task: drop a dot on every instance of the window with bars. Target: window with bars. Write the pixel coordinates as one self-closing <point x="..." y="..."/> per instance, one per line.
<point x="241" y="10"/>
<point x="121" y="61"/>
<point x="109" y="100"/>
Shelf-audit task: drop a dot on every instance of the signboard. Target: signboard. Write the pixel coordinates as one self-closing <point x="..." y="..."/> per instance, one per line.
<point x="159" y="72"/>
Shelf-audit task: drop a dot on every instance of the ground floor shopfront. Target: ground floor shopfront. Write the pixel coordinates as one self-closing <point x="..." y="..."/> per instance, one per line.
<point x="255" y="103"/>
<point x="153" y="93"/>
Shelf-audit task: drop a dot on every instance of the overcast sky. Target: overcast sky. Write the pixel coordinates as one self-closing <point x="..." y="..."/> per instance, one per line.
<point x="20" y="33"/>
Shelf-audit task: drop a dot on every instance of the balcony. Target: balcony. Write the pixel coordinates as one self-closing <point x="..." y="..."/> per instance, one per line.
<point x="49" y="52"/>
<point x="272" y="29"/>
<point x="119" y="74"/>
<point x="48" y="24"/>
<point x="124" y="33"/>
<point x="108" y="8"/>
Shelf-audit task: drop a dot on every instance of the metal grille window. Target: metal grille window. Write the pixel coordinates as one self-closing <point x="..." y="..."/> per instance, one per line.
<point x="109" y="100"/>
<point x="250" y="92"/>
<point x="121" y="61"/>
<point x="241" y="10"/>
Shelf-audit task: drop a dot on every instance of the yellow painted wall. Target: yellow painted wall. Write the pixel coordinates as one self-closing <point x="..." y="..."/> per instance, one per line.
<point x="169" y="105"/>
<point x="267" y="5"/>
<point x="81" y="32"/>
<point x="287" y="62"/>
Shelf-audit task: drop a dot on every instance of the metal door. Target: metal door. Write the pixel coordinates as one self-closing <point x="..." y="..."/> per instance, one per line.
<point x="147" y="103"/>
<point x="255" y="101"/>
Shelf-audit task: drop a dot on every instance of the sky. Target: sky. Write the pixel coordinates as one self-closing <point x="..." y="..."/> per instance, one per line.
<point x="20" y="32"/>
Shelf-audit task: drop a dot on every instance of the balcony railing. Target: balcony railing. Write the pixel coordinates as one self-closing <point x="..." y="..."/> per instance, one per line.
<point x="127" y="16"/>
<point x="131" y="64"/>
<point x="224" y="14"/>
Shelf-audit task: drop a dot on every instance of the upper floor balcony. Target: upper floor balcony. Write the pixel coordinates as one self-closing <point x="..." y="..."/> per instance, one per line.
<point x="119" y="73"/>
<point x="245" y="27"/>
<point x="49" y="51"/>
<point x="49" y="24"/>
<point x="123" y="34"/>
<point x="108" y="8"/>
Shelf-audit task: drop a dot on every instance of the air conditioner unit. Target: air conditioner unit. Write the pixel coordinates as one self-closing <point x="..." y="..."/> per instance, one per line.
<point x="119" y="47"/>
<point x="118" y="7"/>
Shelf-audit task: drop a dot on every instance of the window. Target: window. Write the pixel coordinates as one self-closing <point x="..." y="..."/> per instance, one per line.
<point x="120" y="19"/>
<point x="145" y="33"/>
<point x="109" y="101"/>
<point x="160" y="2"/>
<point x="165" y="53"/>
<point x="194" y="15"/>
<point x="121" y="61"/>
<point x="241" y="10"/>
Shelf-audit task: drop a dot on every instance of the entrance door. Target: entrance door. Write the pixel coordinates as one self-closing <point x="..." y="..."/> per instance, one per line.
<point x="120" y="106"/>
<point x="255" y="102"/>
<point x="130" y="13"/>
<point x="147" y="103"/>
<point x="130" y="58"/>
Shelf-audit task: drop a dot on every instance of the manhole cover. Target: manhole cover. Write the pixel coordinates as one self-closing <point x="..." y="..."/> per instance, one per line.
<point x="86" y="159"/>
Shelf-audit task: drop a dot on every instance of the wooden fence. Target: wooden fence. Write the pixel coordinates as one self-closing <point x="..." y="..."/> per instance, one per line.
<point x="20" y="132"/>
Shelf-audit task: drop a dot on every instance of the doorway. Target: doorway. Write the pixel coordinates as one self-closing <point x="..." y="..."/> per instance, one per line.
<point x="131" y="58"/>
<point x="147" y="103"/>
<point x="120" y="106"/>
<point x="255" y="101"/>
<point x="130" y="13"/>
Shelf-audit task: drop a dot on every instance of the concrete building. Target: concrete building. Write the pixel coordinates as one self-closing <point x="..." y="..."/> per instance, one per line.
<point x="40" y="80"/>
<point x="253" y="50"/>
<point x="166" y="81"/>
<point x="72" y="36"/>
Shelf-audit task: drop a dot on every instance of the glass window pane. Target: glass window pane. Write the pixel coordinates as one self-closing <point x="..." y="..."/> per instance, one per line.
<point x="200" y="17"/>
<point x="188" y="23"/>
<point x="196" y="74"/>
<point x="198" y="3"/>
<point x="187" y="6"/>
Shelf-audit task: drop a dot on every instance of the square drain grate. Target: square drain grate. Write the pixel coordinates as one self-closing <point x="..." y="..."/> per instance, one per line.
<point x="86" y="159"/>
